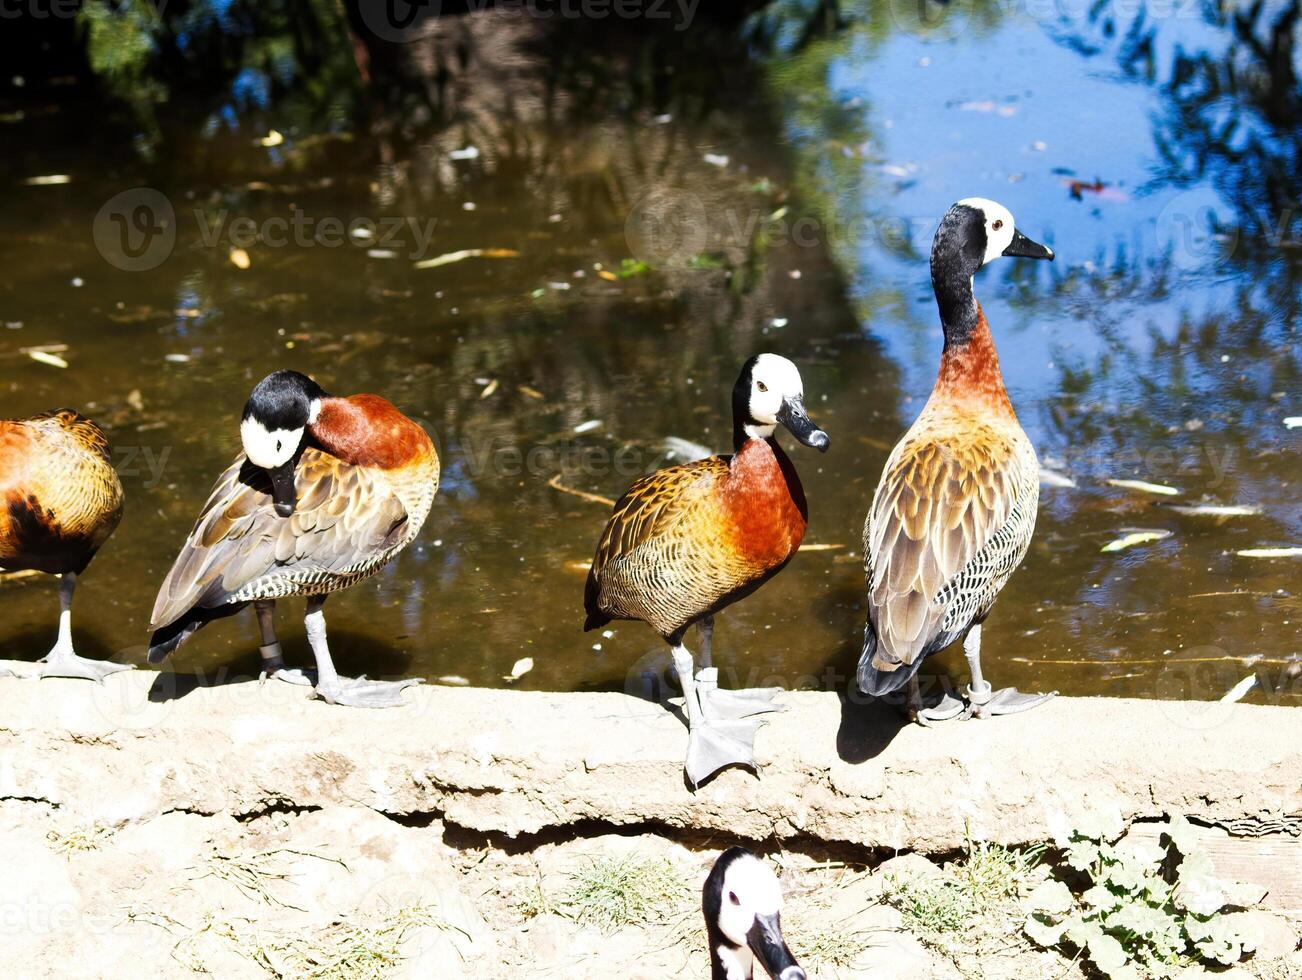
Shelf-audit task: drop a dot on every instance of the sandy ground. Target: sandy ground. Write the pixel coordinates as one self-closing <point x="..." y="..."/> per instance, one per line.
<point x="153" y="826"/>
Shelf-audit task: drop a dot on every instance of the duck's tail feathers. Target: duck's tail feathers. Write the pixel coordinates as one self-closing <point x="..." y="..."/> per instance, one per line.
<point x="879" y="681"/>
<point x="167" y="638"/>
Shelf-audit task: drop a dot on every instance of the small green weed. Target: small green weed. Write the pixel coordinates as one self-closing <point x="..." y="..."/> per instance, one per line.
<point x="1134" y="921"/>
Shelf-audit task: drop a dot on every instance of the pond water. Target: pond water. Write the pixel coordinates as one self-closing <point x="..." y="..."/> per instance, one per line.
<point x="657" y="205"/>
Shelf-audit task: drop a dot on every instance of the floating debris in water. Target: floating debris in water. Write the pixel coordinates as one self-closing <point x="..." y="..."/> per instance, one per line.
<point x="1270" y="553"/>
<point x="48" y="180"/>
<point x="779" y="322"/>
<point x="136" y="400"/>
<point x="607" y="275"/>
<point x="45" y="357"/>
<point x="519" y="669"/>
<point x="488" y="389"/>
<point x="821" y="547"/>
<point x="273" y="138"/>
<point x="468" y="205"/>
<point x="1050" y="478"/>
<point x="381" y="253"/>
<point x="1134" y="538"/>
<point x="1216" y="510"/>
<point x="716" y="159"/>
<point x="447" y="258"/>
<point x="1293" y="422"/>
<point x="685" y="449"/>
<point x="362" y="232"/>
<point x="587" y="426"/>
<point x="1144" y="487"/>
<point x="1240" y="689"/>
<point x="240" y="259"/>
<point x="177" y="358"/>
<point x="466" y="153"/>
<point x="452" y="680"/>
<point x="533" y="393"/>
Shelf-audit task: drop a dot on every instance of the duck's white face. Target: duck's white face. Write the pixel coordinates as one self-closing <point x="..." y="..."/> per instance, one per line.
<point x="750" y="890"/>
<point x="999" y="226"/>
<point x="269" y="446"/>
<point x="773" y="381"/>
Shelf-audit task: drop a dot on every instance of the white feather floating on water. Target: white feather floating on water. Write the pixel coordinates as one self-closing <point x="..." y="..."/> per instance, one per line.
<point x="519" y="669"/>
<point x="1237" y="692"/>
<point x="1144" y="487"/>
<point x="1293" y="422"/>
<point x="685" y="449"/>
<point x="1293" y="552"/>
<point x="1048" y="478"/>
<point x="1134" y="538"/>
<point x="1216" y="510"/>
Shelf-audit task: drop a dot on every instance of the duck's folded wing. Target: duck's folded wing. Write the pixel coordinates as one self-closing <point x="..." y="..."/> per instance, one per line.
<point x="345" y="519"/>
<point x="653" y="505"/>
<point x="940" y="515"/>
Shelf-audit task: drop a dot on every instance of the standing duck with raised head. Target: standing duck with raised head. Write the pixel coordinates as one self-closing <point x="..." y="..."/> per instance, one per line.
<point x="955" y="509"/>
<point x="742" y="902"/>
<point x="689" y="540"/>
<point x="60" y="499"/>
<point x="327" y="491"/>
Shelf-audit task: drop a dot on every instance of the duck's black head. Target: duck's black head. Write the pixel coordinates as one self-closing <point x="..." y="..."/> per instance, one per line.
<point x="275" y="417"/>
<point x="742" y="903"/>
<point x="973" y="232"/>
<point x="768" y="392"/>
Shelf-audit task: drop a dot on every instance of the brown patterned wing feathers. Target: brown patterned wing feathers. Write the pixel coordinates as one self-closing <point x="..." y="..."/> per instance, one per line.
<point x="946" y="518"/>
<point x="346" y="523"/>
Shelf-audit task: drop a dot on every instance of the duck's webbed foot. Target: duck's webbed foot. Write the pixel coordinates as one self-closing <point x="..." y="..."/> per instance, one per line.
<point x="930" y="712"/>
<point x="1006" y="701"/>
<point x="62" y="662"/>
<point x="720" y="724"/>
<point x="363" y="693"/>
<point x="720" y="704"/>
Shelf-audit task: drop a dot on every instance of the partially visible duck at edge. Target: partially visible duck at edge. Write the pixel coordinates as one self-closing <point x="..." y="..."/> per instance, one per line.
<point x="742" y="902"/>
<point x="327" y="491"/>
<point x="60" y="500"/>
<point x="689" y="540"/>
<point x="955" y="509"/>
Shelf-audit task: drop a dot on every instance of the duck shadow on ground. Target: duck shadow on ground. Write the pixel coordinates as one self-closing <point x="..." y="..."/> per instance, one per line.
<point x="354" y="654"/>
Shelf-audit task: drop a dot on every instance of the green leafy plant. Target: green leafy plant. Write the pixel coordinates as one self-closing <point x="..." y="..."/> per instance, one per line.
<point x="1150" y="910"/>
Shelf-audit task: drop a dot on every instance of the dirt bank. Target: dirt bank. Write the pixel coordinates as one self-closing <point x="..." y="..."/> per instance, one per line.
<point x="157" y="825"/>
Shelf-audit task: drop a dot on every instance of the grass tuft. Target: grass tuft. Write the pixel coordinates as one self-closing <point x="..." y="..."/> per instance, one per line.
<point x="611" y="893"/>
<point x="976" y="896"/>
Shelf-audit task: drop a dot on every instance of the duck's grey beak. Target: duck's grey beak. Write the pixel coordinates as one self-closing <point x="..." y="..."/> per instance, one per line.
<point x="792" y="414"/>
<point x="1023" y="248"/>
<point x="766" y="942"/>
<point x="282" y="488"/>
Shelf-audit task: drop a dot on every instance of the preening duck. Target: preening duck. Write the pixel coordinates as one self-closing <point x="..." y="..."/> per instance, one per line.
<point x="955" y="508"/>
<point x="689" y="540"/>
<point x="742" y="902"/>
<point x="62" y="500"/>
<point x="327" y="491"/>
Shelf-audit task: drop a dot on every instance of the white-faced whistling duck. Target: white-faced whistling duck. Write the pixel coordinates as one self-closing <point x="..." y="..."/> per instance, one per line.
<point x="60" y="499"/>
<point x="953" y="514"/>
<point x="742" y="902"/>
<point x="327" y="491"/>
<point x="688" y="540"/>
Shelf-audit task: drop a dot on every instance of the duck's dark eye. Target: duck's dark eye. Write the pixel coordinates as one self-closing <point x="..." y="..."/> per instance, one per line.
<point x="761" y="386"/>
<point x="999" y="223"/>
<point x="732" y="897"/>
<point x="277" y="445"/>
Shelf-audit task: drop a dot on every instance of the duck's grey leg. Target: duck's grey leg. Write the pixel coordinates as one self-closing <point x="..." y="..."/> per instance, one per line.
<point x="943" y="710"/>
<point x="359" y="693"/>
<point x="718" y="702"/>
<point x="713" y="740"/>
<point x="273" y="660"/>
<point x="983" y="700"/>
<point x="62" y="660"/>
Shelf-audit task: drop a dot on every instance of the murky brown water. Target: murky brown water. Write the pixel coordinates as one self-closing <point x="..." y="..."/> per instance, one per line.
<point x="1120" y="364"/>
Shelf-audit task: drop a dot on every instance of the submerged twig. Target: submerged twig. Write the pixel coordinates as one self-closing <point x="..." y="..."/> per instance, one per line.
<point x="596" y="498"/>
